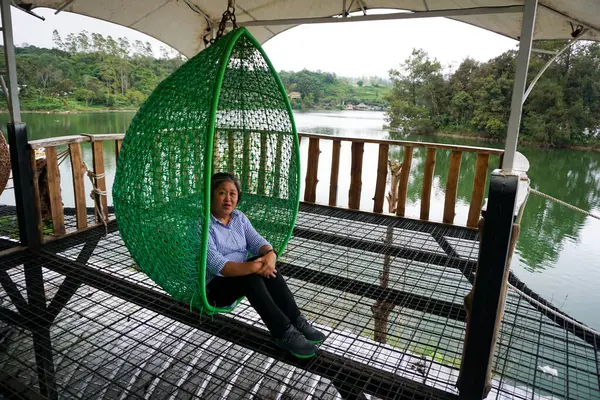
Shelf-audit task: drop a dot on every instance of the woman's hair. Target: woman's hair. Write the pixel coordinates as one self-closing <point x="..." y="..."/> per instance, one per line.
<point x="221" y="177"/>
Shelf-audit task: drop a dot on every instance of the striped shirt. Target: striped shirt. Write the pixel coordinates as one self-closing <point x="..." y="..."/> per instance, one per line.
<point x="231" y="242"/>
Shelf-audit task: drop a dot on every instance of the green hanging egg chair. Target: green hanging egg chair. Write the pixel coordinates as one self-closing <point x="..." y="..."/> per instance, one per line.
<point x="224" y="110"/>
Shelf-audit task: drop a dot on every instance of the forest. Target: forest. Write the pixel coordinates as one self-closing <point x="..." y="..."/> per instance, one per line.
<point x="95" y="72"/>
<point x="562" y="109"/>
<point x="91" y="71"/>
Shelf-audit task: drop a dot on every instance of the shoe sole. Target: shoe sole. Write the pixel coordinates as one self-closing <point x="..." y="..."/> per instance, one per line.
<point x="302" y="356"/>
<point x="316" y="341"/>
<point x="297" y="355"/>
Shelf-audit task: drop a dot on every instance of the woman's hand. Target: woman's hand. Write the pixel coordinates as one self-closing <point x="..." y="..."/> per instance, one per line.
<point x="268" y="261"/>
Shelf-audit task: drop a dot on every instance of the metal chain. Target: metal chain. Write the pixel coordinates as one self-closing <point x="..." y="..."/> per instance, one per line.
<point x="228" y="15"/>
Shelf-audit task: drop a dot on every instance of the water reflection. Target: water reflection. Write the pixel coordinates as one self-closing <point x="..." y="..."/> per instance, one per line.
<point x="555" y="240"/>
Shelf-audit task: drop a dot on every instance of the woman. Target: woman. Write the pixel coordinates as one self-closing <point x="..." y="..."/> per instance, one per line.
<point x="230" y="276"/>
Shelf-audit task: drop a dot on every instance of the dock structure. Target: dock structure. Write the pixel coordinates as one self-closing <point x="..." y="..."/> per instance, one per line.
<point x="387" y="291"/>
<point x="412" y="309"/>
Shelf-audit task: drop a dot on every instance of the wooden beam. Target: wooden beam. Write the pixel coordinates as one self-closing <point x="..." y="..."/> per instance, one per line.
<point x="104" y="136"/>
<point x="439" y="146"/>
<point x="78" y="185"/>
<point x="382" y="169"/>
<point x="356" y="176"/>
<point x="335" y="172"/>
<point x="98" y="157"/>
<point x="481" y="167"/>
<point x="427" y="183"/>
<point x="451" y="187"/>
<point x="403" y="181"/>
<point x="57" y="141"/>
<point x="56" y="204"/>
<point x="312" y="168"/>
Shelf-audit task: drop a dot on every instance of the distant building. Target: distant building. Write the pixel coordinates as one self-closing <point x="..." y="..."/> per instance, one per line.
<point x="295" y="95"/>
<point x="362" y="107"/>
<point x="349" y="106"/>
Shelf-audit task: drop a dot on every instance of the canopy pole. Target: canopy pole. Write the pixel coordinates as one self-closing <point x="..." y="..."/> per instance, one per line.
<point x="454" y="12"/>
<point x="11" y="64"/>
<point x="516" y="106"/>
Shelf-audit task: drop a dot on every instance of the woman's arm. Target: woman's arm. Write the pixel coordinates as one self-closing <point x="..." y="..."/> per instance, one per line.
<point x="267" y="248"/>
<point x="232" y="268"/>
<point x="268" y="259"/>
<point x="218" y="265"/>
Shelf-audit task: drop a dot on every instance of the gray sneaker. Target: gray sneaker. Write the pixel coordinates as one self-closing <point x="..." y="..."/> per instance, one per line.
<point x="294" y="342"/>
<point x="310" y="333"/>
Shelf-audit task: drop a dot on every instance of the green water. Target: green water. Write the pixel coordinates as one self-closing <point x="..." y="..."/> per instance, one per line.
<point x="558" y="253"/>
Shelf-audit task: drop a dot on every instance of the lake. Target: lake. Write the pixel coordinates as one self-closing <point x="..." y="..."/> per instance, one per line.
<point x="558" y="253"/>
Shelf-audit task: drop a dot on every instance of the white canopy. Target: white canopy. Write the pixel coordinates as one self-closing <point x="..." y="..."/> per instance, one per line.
<point x="183" y="24"/>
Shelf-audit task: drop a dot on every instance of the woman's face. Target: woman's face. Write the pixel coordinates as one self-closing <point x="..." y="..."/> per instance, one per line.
<point x="225" y="199"/>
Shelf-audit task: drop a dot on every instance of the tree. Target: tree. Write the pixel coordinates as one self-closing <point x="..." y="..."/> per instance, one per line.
<point x="57" y="40"/>
<point x="85" y="95"/>
<point x="135" y="97"/>
<point x="418" y="96"/>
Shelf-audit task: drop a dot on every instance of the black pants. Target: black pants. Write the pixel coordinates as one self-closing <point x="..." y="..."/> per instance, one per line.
<point x="270" y="297"/>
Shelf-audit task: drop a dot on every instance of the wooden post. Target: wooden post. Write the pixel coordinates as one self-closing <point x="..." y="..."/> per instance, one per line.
<point x="36" y="197"/>
<point x="216" y="161"/>
<point x="98" y="157"/>
<point x="358" y="149"/>
<point x="312" y="167"/>
<point x="427" y="183"/>
<point x="230" y="152"/>
<point x="382" y="168"/>
<point x="278" y="155"/>
<point x="452" y="186"/>
<point x="78" y="185"/>
<point x="246" y="162"/>
<point x="118" y="144"/>
<point x="481" y="167"/>
<point x="56" y="205"/>
<point x="403" y="182"/>
<point x="262" y="171"/>
<point x="335" y="172"/>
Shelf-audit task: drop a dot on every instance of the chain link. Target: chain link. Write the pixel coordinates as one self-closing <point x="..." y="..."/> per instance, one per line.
<point x="228" y="15"/>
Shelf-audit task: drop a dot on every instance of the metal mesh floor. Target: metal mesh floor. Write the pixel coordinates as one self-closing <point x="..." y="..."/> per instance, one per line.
<point x="388" y="292"/>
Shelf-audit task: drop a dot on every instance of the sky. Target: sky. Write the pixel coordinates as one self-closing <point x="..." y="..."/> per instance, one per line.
<point x="348" y="49"/>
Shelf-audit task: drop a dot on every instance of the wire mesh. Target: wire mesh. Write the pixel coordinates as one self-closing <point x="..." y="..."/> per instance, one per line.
<point x="391" y="318"/>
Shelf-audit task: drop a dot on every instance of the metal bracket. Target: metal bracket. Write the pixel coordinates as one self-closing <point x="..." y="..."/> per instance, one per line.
<point x="26" y="10"/>
<point x="550" y="61"/>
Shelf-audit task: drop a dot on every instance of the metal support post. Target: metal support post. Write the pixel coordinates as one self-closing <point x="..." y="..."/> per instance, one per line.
<point x="23" y="183"/>
<point x="516" y="106"/>
<point x="489" y="287"/>
<point x="11" y="64"/>
<point x="40" y="330"/>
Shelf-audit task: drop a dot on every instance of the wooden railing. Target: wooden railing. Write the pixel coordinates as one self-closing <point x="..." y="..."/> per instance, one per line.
<point x="356" y="168"/>
<point x="73" y="144"/>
